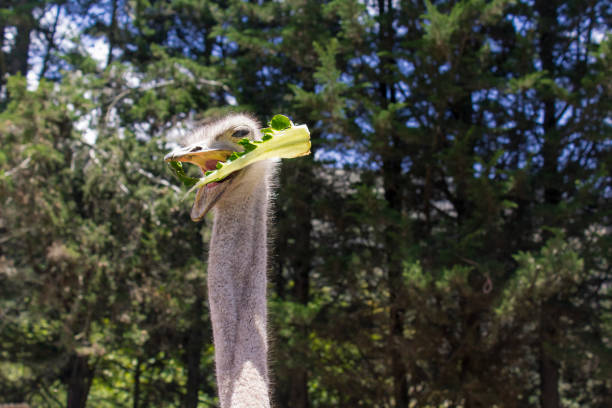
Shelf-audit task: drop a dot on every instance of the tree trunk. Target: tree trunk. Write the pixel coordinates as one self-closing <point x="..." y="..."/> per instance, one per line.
<point x="300" y="263"/>
<point x="298" y="394"/>
<point x="50" y="36"/>
<point x="3" y="67"/>
<point x="18" y="58"/>
<point x="391" y="171"/>
<point x="136" y="390"/>
<point x="194" y="353"/>
<point x="81" y="375"/>
<point x="391" y="168"/>
<point x="547" y="38"/>
<point x="112" y="33"/>
<point x="549" y="367"/>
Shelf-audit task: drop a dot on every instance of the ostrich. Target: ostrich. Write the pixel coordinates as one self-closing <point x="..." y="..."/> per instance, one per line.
<point x="237" y="258"/>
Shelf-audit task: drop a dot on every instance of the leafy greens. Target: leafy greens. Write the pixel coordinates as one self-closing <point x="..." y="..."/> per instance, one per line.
<point x="281" y="139"/>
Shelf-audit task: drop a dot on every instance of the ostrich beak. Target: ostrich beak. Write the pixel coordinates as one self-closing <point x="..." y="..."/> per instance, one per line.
<point x="207" y="159"/>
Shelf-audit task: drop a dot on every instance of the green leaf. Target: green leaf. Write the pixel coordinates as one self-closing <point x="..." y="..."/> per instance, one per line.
<point x="509" y="204"/>
<point x="179" y="172"/>
<point x="247" y="144"/>
<point x="280" y="122"/>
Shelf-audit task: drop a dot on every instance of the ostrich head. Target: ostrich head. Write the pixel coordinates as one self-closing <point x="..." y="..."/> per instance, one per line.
<point x="213" y="142"/>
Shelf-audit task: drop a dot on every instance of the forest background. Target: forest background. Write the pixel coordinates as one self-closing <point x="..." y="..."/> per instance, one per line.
<point x="446" y="244"/>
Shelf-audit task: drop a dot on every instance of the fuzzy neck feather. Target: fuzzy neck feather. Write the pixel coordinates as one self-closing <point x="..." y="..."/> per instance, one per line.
<point x="237" y="296"/>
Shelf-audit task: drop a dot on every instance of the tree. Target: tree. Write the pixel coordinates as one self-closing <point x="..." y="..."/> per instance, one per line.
<point x="455" y="200"/>
<point x="462" y="178"/>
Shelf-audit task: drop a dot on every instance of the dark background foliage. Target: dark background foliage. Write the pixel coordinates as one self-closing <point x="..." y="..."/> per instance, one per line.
<point x="446" y="244"/>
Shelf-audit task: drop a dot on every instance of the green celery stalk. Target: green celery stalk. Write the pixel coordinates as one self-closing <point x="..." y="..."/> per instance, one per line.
<point x="288" y="143"/>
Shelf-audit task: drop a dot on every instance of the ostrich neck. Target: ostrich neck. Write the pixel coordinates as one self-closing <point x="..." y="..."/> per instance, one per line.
<point x="237" y="296"/>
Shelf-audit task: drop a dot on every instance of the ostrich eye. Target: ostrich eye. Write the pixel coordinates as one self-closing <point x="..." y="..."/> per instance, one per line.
<point x="240" y="133"/>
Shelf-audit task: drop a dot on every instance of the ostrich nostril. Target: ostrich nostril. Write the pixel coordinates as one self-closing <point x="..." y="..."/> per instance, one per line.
<point x="195" y="149"/>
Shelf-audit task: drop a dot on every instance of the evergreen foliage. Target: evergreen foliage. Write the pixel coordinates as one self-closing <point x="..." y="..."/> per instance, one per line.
<point x="447" y="242"/>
